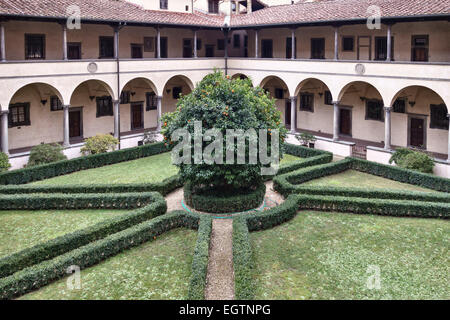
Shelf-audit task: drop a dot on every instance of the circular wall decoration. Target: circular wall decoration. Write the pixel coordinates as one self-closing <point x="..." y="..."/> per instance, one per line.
<point x="92" y="67"/>
<point x="360" y="69"/>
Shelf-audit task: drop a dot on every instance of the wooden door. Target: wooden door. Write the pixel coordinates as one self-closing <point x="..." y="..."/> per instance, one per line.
<point x="364" y="48"/>
<point x="209" y="50"/>
<point x="136" y="116"/>
<point x="318" y="48"/>
<point x="75" y="124"/>
<point x="417" y="136"/>
<point x="187" y="48"/>
<point x="345" y="121"/>
<point x="136" y="51"/>
<point x="287" y="114"/>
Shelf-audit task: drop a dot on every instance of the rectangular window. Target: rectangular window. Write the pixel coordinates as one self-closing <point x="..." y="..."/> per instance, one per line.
<point x="164" y="48"/>
<point x="267" y="48"/>
<point x="307" y="102"/>
<point x="419" y="48"/>
<point x="236" y="41"/>
<point x="279" y="93"/>
<point x="137" y="51"/>
<point x="220" y="44"/>
<point x="19" y="115"/>
<point x="289" y="48"/>
<point x="381" y="48"/>
<point x="399" y="106"/>
<point x="327" y="98"/>
<point x="74" y="50"/>
<point x="318" y="48"/>
<point x="438" y="117"/>
<point x="55" y="103"/>
<point x="104" y="106"/>
<point x="348" y="43"/>
<point x="199" y="44"/>
<point x="187" y="48"/>
<point x="151" y="101"/>
<point x="164" y="4"/>
<point x="125" y="97"/>
<point x="209" y="50"/>
<point x="374" y="110"/>
<point x="106" y="47"/>
<point x="176" y="91"/>
<point x="34" y="46"/>
<point x="213" y="6"/>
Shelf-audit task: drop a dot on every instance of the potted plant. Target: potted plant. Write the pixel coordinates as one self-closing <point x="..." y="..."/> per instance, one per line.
<point x="307" y="140"/>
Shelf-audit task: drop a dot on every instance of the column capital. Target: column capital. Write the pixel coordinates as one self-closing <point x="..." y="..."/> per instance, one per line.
<point x="293" y="97"/>
<point x="4" y="112"/>
<point x="335" y="102"/>
<point x="116" y="101"/>
<point x="66" y="106"/>
<point x="387" y="109"/>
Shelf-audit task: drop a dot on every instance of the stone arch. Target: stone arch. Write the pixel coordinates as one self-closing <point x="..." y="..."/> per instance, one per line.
<point x="280" y="81"/>
<point x="142" y="80"/>
<point x="367" y="86"/>
<point x="95" y="87"/>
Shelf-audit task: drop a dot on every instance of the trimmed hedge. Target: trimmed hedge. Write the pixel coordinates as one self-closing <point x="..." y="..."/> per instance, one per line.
<point x="208" y="201"/>
<point x="303" y="152"/>
<point x="199" y="268"/>
<point x="366" y="193"/>
<point x="76" y="201"/>
<point x="243" y="263"/>
<point x="41" y="172"/>
<point x="39" y="275"/>
<point x="165" y="187"/>
<point x="65" y="243"/>
<point x="424" y="180"/>
<point x="396" y="208"/>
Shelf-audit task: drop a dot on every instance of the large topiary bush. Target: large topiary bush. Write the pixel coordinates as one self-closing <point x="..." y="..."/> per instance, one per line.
<point x="46" y="153"/>
<point x="414" y="160"/>
<point x="222" y="103"/>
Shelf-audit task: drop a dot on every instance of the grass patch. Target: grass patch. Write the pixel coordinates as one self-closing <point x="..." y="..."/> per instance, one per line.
<point x="353" y="178"/>
<point x="158" y="269"/>
<point x="288" y="158"/>
<point x="145" y="170"/>
<point x="327" y="255"/>
<point x="22" y="229"/>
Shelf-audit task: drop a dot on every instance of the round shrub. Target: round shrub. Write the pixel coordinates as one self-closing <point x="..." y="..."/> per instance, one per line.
<point x="413" y="160"/>
<point x="100" y="143"/>
<point x="4" y="162"/>
<point x="220" y="103"/>
<point x="224" y="201"/>
<point x="46" y="153"/>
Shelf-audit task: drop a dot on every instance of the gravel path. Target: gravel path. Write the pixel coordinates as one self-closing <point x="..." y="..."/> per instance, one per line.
<point x="220" y="276"/>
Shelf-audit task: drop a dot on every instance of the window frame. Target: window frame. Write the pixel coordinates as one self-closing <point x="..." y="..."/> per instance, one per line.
<point x="263" y="42"/>
<point x="78" y="45"/>
<point x="100" y="39"/>
<point x="322" y="40"/>
<point x="301" y="104"/>
<point x="137" y="45"/>
<point x="163" y="4"/>
<point x="380" y="102"/>
<point x="444" y="122"/>
<point x="236" y="41"/>
<point x="396" y="105"/>
<point x="327" y="94"/>
<point x="58" y="106"/>
<point x="277" y="94"/>
<point x="343" y="43"/>
<point x="213" y="6"/>
<point x="177" y="89"/>
<point x="415" y="46"/>
<point x="102" y="111"/>
<point x="151" y="97"/>
<point x="27" y="120"/>
<point x="125" y="97"/>
<point x="43" y="39"/>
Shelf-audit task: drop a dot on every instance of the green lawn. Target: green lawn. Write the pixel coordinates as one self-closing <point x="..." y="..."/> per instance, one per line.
<point x="151" y="169"/>
<point x="287" y="158"/>
<point x="23" y="229"/>
<point x="353" y="178"/>
<point x="327" y="256"/>
<point x="159" y="269"/>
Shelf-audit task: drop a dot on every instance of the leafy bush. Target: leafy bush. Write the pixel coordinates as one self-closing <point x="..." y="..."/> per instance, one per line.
<point x="46" y="153"/>
<point x="150" y="137"/>
<point x="221" y="103"/>
<point x="306" y="138"/>
<point x="414" y="160"/>
<point x="50" y="170"/>
<point x="100" y="143"/>
<point x="4" y="162"/>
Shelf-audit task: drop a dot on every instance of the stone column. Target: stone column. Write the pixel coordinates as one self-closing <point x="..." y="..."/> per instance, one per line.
<point x="256" y="43"/>
<point x="5" y="139"/>
<point x="293" y="112"/>
<point x="158" y="42"/>
<point x="195" y="44"/>
<point x="336" y="121"/>
<point x="387" y="128"/>
<point x="116" y="43"/>
<point x="66" y="140"/>
<point x="448" y="150"/>
<point x="293" y="51"/>
<point x="64" y="27"/>
<point x="336" y="43"/>
<point x="389" y="43"/>
<point x="226" y="43"/>
<point x="159" y="110"/>
<point x="116" y="118"/>
<point x="2" y="43"/>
